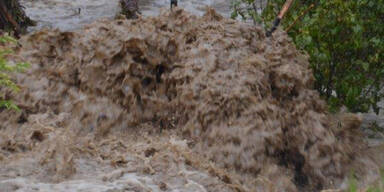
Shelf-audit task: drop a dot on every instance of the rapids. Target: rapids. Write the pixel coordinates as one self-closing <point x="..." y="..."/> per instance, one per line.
<point x="170" y="102"/>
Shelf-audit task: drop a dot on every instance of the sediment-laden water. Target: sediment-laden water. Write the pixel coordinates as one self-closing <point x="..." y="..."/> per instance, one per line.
<point x="175" y="102"/>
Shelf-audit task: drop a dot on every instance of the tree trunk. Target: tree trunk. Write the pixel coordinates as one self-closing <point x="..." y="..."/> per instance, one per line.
<point x="13" y="18"/>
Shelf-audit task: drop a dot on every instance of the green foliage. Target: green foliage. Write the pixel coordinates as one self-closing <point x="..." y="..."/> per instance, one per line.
<point x="352" y="184"/>
<point x="375" y="187"/>
<point x="16" y="11"/>
<point x="345" y="41"/>
<point x="5" y="70"/>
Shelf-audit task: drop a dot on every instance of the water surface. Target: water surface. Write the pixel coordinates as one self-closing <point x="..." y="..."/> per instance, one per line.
<point x="69" y="15"/>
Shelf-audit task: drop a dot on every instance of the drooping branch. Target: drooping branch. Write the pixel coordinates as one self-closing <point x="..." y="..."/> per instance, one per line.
<point x="299" y="17"/>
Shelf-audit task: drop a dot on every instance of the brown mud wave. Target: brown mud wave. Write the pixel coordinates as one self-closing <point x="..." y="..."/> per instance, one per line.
<point x="119" y="91"/>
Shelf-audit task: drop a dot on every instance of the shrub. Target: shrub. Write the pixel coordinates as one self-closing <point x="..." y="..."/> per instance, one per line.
<point x="345" y="42"/>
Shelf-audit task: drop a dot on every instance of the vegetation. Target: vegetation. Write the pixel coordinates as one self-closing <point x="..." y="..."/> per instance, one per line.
<point x="345" y="41"/>
<point x="376" y="187"/>
<point x="5" y="70"/>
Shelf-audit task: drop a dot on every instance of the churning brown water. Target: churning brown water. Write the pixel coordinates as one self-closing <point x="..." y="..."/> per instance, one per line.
<point x="175" y="102"/>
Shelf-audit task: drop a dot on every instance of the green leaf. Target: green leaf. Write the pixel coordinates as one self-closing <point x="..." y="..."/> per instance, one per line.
<point x="5" y="70"/>
<point x="365" y="66"/>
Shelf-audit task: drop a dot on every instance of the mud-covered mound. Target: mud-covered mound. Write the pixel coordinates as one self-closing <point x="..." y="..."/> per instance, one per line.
<point x="243" y="102"/>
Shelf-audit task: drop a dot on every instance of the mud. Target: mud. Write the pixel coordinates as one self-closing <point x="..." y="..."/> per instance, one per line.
<point x="168" y="103"/>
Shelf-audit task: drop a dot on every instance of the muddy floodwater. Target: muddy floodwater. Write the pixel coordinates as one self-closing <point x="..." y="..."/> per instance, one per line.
<point x="73" y="14"/>
<point x="187" y="100"/>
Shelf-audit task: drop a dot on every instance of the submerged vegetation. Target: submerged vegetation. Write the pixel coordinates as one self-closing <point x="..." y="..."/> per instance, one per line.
<point x="345" y="42"/>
